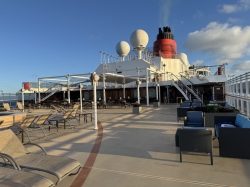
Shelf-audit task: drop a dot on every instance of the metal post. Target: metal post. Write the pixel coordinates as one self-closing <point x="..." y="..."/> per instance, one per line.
<point x="68" y="88"/>
<point x="104" y="90"/>
<point x="80" y="88"/>
<point x="95" y="81"/>
<point x="35" y="97"/>
<point x="147" y="87"/>
<point x="138" y="92"/>
<point x="95" y="108"/>
<point x="39" y="94"/>
<point x="160" y="93"/>
<point x="124" y="93"/>
<point x="156" y="91"/>
<point x="23" y="97"/>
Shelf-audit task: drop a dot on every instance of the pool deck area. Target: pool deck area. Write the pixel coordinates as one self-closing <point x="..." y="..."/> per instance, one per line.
<point x="137" y="150"/>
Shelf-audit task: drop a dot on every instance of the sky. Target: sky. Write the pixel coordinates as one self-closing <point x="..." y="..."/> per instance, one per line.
<point x="44" y="38"/>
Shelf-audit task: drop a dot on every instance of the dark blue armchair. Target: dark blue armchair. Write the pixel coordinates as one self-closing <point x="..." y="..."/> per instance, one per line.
<point x="194" y="119"/>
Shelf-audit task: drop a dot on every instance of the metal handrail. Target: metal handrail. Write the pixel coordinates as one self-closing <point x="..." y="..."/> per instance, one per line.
<point x="190" y="89"/>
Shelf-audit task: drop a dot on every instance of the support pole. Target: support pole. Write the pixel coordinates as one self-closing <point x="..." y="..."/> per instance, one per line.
<point x="138" y="92"/>
<point x="159" y="93"/>
<point x="95" y="107"/>
<point x="39" y="94"/>
<point x="124" y="93"/>
<point x="104" y="90"/>
<point x="23" y="97"/>
<point x="68" y="88"/>
<point x="95" y="81"/>
<point x="35" y="97"/>
<point x="80" y="88"/>
<point x="147" y="87"/>
<point x="156" y="91"/>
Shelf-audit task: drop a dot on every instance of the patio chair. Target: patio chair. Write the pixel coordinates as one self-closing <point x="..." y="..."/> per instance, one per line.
<point x="196" y="140"/>
<point x="196" y="104"/>
<point x="57" y="109"/>
<point x="194" y="119"/>
<point x="76" y="106"/>
<point x="16" y="177"/>
<point x="13" y="149"/>
<point x="22" y="109"/>
<point x="185" y="104"/>
<point x="73" y="115"/>
<point x="39" y="123"/>
<point x="62" y="119"/>
<point x="7" y="106"/>
<point x="23" y="127"/>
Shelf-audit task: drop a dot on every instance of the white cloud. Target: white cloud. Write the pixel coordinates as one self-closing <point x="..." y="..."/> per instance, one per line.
<point x="239" y="68"/>
<point x="198" y="63"/>
<point x="198" y="14"/>
<point x="226" y="44"/>
<point x="234" y="20"/>
<point x="242" y="5"/>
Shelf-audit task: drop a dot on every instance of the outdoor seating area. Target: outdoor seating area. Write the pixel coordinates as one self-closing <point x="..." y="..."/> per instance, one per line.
<point x="150" y="144"/>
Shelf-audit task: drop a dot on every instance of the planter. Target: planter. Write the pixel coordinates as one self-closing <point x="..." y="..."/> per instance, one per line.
<point x="156" y="104"/>
<point x="209" y="117"/>
<point x="137" y="110"/>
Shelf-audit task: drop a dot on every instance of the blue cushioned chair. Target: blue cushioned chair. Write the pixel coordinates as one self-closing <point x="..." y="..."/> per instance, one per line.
<point x="195" y="104"/>
<point x="194" y="119"/>
<point x="185" y="104"/>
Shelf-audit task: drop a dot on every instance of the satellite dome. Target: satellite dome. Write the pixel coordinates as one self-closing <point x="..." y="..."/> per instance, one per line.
<point x="122" y="48"/>
<point x="139" y="38"/>
<point x="184" y="58"/>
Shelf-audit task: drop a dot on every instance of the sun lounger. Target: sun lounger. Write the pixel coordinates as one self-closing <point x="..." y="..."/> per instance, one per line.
<point x="24" y="126"/>
<point x="11" y="147"/>
<point x="12" y="177"/>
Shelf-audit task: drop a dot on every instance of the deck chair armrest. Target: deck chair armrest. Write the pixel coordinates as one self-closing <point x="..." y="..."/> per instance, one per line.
<point x="30" y="143"/>
<point x="11" y="160"/>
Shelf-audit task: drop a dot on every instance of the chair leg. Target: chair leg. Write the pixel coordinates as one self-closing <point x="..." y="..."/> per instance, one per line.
<point x="211" y="157"/>
<point x="180" y="156"/>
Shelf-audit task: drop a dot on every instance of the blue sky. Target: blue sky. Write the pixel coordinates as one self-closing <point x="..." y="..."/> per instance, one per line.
<point x="58" y="37"/>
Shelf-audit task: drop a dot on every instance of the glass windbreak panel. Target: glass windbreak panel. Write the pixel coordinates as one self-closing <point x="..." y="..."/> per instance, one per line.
<point x="86" y="95"/>
<point x="135" y="94"/>
<point x="151" y="93"/>
<point x="98" y="94"/>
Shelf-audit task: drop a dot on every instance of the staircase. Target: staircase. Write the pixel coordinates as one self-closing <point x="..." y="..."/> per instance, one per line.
<point x="186" y="90"/>
<point x="49" y="93"/>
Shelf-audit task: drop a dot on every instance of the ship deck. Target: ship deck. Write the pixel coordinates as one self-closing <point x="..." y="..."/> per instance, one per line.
<point x="138" y="150"/>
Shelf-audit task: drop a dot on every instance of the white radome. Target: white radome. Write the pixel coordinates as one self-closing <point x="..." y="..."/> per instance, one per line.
<point x="122" y="48"/>
<point x="139" y="38"/>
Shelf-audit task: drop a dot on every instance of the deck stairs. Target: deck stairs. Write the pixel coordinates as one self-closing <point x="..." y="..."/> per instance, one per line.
<point x="187" y="90"/>
<point x="49" y="93"/>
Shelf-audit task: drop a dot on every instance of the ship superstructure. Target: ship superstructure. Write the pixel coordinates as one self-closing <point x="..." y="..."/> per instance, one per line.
<point x="142" y="73"/>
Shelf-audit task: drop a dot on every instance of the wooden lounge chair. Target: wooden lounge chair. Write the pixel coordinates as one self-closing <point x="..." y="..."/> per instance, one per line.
<point x="23" y="127"/>
<point x="61" y="119"/>
<point x="22" y="109"/>
<point x="14" y="177"/>
<point x="39" y="123"/>
<point x="14" y="150"/>
<point x="7" y="106"/>
<point x="59" y="110"/>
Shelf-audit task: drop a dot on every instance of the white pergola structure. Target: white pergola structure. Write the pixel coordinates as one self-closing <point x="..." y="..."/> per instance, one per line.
<point x="121" y="79"/>
<point x="67" y="83"/>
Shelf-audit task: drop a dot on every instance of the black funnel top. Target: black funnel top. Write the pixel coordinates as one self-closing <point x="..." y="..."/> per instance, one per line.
<point x="166" y="34"/>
